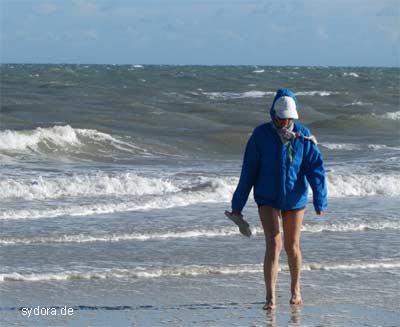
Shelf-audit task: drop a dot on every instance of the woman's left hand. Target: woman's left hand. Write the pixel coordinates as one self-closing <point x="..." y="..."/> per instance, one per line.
<point x="319" y="212"/>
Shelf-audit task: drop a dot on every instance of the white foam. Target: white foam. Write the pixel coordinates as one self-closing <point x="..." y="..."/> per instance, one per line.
<point x="195" y="233"/>
<point x="58" y="137"/>
<point x="351" y="227"/>
<point x="314" y="93"/>
<point x="255" y="94"/>
<point x="237" y="95"/>
<point x="143" y="193"/>
<point x="358" y="103"/>
<point x="392" y="115"/>
<point x="352" y="74"/>
<point x="260" y="94"/>
<point x="189" y="271"/>
<point x="83" y="238"/>
<point x="341" y="146"/>
<point x="85" y="185"/>
<point x="382" y="147"/>
<point x="343" y="185"/>
<point x="30" y="139"/>
<point x="100" y="137"/>
<point x="259" y="71"/>
<point x="353" y="147"/>
<point x="140" y="272"/>
<point x="213" y="191"/>
<point x="382" y="265"/>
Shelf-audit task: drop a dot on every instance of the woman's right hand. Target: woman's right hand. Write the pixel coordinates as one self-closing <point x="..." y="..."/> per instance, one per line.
<point x="236" y="212"/>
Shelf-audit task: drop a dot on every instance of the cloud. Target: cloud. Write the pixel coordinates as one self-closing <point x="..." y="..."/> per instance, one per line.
<point x="47" y="8"/>
<point x="86" y="7"/>
<point x="321" y="33"/>
<point x="391" y="33"/>
<point x="90" y="34"/>
<point x="229" y="36"/>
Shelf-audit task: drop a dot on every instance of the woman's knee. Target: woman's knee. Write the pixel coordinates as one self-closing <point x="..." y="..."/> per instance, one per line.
<point x="292" y="249"/>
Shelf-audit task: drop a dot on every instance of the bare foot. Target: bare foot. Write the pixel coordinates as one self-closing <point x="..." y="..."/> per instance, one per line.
<point x="269" y="306"/>
<point x="296" y="300"/>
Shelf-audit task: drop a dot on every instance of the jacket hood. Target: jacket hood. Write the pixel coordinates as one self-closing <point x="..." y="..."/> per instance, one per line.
<point x="281" y="93"/>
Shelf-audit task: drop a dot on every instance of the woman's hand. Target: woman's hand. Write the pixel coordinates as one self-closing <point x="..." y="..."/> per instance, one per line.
<point x="319" y="212"/>
<point x="236" y="212"/>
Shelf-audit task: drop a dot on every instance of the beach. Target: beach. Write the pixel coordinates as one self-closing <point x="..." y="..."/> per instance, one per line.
<point x="115" y="179"/>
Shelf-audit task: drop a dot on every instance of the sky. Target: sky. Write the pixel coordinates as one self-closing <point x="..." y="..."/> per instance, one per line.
<point x="202" y="32"/>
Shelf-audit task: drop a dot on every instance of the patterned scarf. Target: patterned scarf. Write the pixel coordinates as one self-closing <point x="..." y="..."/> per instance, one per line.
<point x="285" y="134"/>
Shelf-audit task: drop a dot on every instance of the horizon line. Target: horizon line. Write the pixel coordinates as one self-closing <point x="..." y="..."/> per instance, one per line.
<point x="199" y="65"/>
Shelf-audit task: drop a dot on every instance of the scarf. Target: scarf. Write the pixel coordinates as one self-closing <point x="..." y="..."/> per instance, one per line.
<point x="285" y="134"/>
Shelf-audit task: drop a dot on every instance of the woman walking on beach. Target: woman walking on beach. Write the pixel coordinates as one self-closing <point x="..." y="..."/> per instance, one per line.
<point x="281" y="158"/>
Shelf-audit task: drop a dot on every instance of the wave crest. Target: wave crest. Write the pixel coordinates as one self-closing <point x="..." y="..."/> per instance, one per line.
<point x="189" y="234"/>
<point x="392" y="115"/>
<point x="260" y="94"/>
<point x="57" y="139"/>
<point x="342" y="185"/>
<point x="188" y="271"/>
<point x="130" y="192"/>
<point x="33" y="139"/>
<point x="85" y="185"/>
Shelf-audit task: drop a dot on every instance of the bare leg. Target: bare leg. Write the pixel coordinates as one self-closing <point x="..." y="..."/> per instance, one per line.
<point x="270" y="222"/>
<point x="292" y="221"/>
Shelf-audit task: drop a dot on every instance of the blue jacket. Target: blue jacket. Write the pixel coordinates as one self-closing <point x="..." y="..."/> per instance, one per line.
<point x="279" y="172"/>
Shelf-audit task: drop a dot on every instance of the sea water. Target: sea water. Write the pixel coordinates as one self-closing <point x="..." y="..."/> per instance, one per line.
<point x="114" y="180"/>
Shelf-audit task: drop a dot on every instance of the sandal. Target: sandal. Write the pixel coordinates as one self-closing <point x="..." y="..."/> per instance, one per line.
<point x="243" y="225"/>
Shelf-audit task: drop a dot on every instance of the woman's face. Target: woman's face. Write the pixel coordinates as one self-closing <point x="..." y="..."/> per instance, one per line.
<point x="283" y="122"/>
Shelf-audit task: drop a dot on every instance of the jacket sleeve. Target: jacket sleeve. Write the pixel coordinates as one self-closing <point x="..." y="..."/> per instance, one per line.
<point x="248" y="175"/>
<point x="315" y="173"/>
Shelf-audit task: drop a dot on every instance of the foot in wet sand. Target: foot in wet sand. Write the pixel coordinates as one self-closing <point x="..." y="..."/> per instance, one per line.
<point x="269" y="305"/>
<point x="296" y="300"/>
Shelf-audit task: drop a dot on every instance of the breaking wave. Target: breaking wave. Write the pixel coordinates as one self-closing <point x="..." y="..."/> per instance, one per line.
<point x="64" y="138"/>
<point x="85" y="185"/>
<point x="392" y="115"/>
<point x="341" y="146"/>
<point x="260" y="94"/>
<point x="342" y="185"/>
<point x="164" y="195"/>
<point x="189" y="234"/>
<point x="237" y="95"/>
<point x="352" y="146"/>
<point x="131" y="192"/>
<point x="357" y="103"/>
<point x="351" y="74"/>
<point x="188" y="271"/>
<point x="314" y="93"/>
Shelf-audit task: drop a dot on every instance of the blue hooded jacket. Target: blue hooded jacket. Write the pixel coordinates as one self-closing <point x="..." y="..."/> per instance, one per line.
<point x="280" y="173"/>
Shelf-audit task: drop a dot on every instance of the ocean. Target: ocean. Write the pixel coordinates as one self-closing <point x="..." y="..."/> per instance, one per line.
<point x="114" y="180"/>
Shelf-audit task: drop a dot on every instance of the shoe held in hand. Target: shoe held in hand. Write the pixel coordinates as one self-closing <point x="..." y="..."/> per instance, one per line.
<point x="243" y="225"/>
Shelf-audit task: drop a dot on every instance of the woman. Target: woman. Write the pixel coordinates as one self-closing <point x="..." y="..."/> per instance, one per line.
<point x="281" y="158"/>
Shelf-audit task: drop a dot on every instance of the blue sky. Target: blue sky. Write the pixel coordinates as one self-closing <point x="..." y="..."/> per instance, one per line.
<point x="232" y="32"/>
